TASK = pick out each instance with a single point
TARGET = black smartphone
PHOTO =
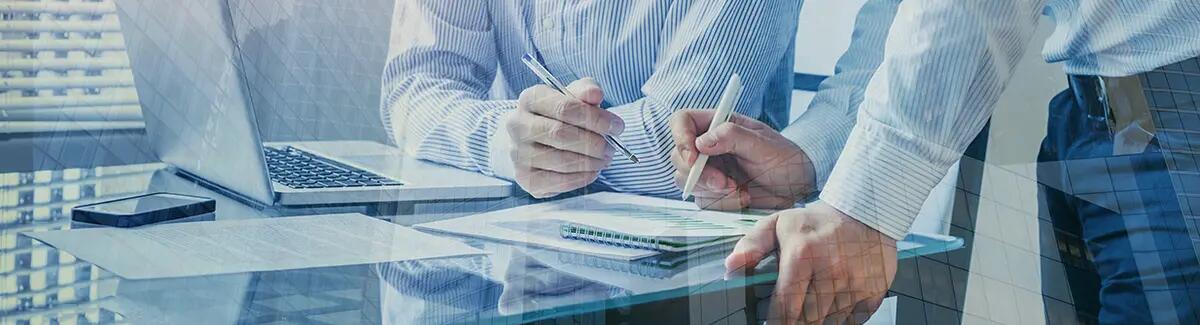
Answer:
(143, 209)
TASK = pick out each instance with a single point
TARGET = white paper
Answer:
(223, 247)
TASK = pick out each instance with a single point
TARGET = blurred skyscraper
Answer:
(63, 68)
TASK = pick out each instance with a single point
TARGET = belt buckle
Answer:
(1127, 113)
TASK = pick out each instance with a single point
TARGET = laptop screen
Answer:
(196, 108)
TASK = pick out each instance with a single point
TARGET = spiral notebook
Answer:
(677, 225)
(660, 229)
(658, 267)
(542, 225)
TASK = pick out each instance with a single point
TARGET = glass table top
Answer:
(511, 284)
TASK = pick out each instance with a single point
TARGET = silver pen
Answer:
(538, 69)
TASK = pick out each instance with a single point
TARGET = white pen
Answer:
(729, 99)
(549, 79)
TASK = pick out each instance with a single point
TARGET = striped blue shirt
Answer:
(454, 72)
(944, 65)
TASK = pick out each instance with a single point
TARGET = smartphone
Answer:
(143, 209)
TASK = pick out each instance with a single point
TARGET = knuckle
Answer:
(678, 115)
(602, 119)
(727, 129)
(734, 128)
(596, 144)
(515, 124)
(563, 110)
(526, 98)
(559, 130)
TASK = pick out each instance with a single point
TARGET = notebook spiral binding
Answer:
(580, 232)
(628, 267)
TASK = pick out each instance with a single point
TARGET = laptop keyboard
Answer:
(299, 169)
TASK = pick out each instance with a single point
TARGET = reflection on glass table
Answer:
(38, 283)
(520, 284)
(517, 284)
(513, 284)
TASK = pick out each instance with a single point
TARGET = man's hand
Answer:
(558, 142)
(832, 268)
(750, 165)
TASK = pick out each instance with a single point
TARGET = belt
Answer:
(1119, 103)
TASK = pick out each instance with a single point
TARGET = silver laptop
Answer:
(191, 79)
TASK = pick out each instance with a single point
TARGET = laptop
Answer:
(191, 78)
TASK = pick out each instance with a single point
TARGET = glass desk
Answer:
(513, 284)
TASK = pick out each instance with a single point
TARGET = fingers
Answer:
(831, 276)
(717, 188)
(587, 90)
(558, 141)
(539, 156)
(526, 127)
(544, 101)
(791, 288)
(686, 125)
(831, 270)
(730, 138)
(683, 161)
(689, 130)
(756, 245)
(734, 200)
(544, 183)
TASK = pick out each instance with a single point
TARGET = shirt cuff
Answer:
(499, 148)
(884, 177)
(821, 134)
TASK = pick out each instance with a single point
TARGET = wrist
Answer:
(499, 147)
(803, 181)
(848, 222)
(808, 172)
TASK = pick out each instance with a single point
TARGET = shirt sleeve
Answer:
(436, 82)
(946, 63)
(711, 40)
(822, 130)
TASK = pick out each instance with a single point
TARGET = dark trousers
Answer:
(1122, 226)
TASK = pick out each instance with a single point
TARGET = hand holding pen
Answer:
(751, 164)
(560, 137)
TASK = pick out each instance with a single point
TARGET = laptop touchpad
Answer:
(386, 165)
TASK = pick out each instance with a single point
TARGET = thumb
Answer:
(587, 90)
(729, 138)
(751, 249)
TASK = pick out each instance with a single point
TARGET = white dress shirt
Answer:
(944, 66)
(651, 58)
